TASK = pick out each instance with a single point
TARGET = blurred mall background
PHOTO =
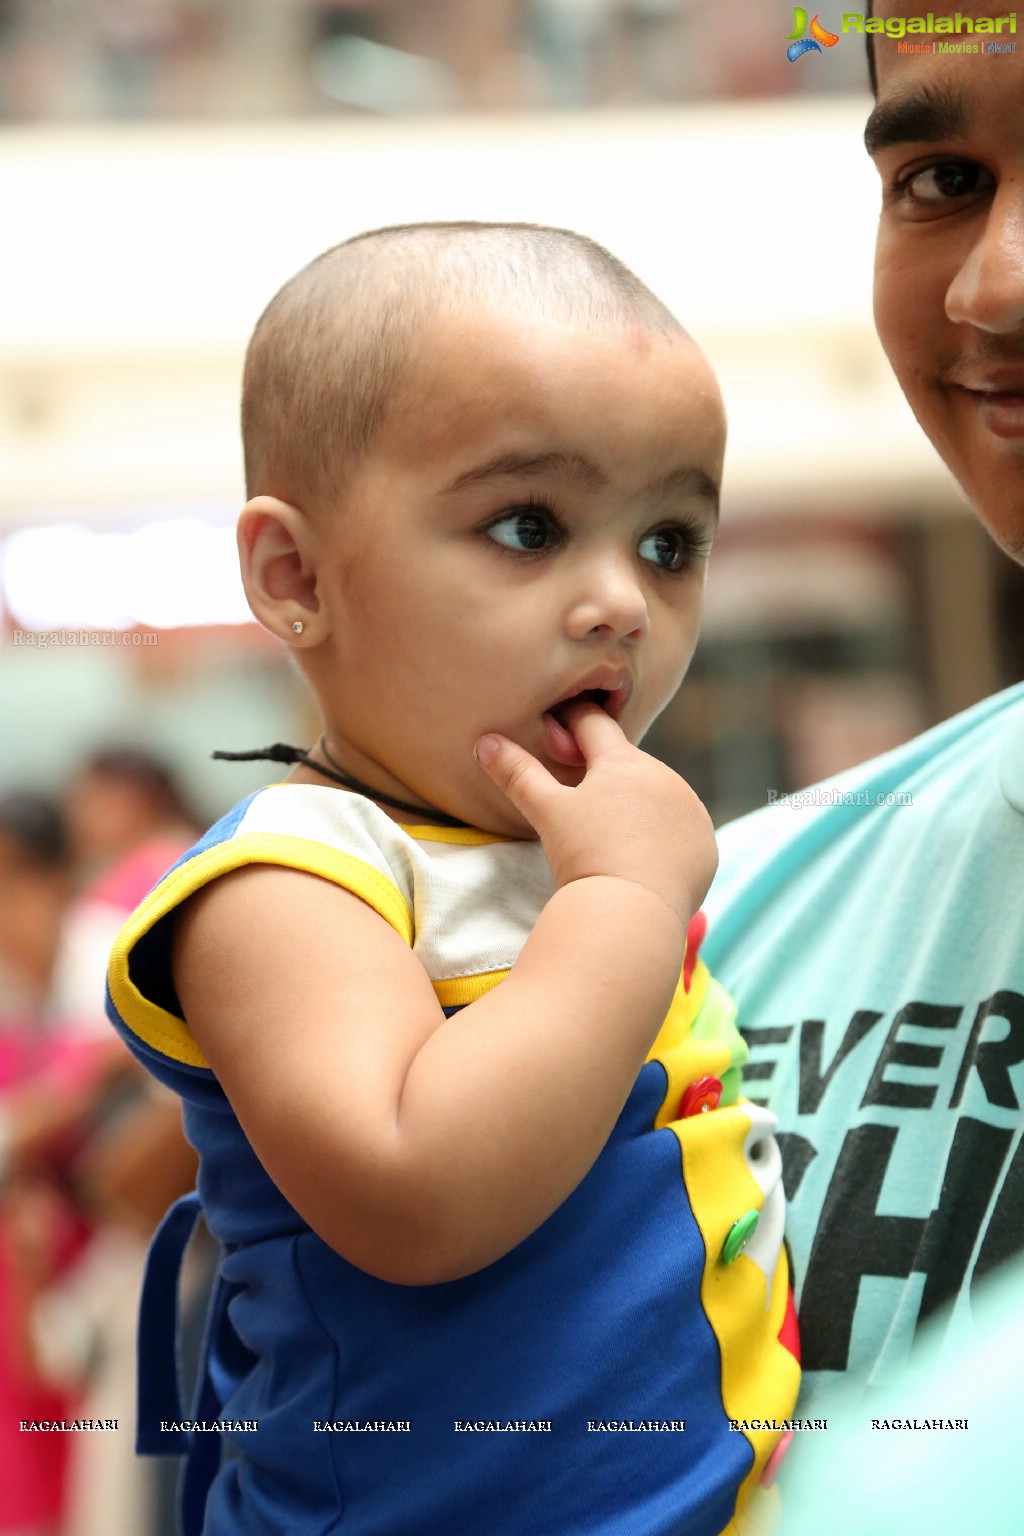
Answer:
(164, 166)
(167, 163)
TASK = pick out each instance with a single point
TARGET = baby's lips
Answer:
(609, 689)
(560, 744)
(577, 712)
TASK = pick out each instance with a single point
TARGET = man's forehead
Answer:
(972, 8)
(926, 97)
(906, 10)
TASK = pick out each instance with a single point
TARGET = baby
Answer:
(467, 1103)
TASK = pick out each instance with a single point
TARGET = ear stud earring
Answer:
(297, 626)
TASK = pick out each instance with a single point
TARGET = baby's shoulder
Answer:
(315, 830)
(229, 899)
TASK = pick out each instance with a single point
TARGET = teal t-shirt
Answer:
(936, 1450)
(872, 933)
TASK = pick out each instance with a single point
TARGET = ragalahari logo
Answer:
(980, 32)
(819, 38)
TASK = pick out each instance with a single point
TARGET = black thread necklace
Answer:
(281, 752)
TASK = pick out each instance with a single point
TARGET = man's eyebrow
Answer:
(933, 114)
(575, 465)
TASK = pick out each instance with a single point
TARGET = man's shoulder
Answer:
(946, 771)
(951, 749)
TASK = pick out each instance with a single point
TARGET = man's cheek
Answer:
(889, 311)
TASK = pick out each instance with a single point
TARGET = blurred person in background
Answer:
(127, 817)
(345, 18)
(35, 883)
(574, 40)
(94, 1151)
(44, 1104)
(125, 808)
(663, 61)
(133, 39)
(872, 929)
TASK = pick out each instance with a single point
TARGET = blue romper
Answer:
(619, 1373)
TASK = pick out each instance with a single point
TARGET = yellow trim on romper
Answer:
(759, 1375)
(458, 990)
(165, 1031)
(469, 836)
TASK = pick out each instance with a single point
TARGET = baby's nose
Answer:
(610, 599)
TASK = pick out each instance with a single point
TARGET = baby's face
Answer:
(533, 522)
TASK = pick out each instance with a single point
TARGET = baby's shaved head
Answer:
(331, 348)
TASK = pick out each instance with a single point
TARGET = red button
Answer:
(704, 1094)
(694, 939)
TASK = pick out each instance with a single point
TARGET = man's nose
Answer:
(988, 289)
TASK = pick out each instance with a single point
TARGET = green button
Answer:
(740, 1234)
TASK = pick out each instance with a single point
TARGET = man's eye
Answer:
(670, 549)
(522, 531)
(948, 180)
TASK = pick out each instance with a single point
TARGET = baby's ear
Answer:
(275, 551)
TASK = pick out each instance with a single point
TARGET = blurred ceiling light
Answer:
(359, 73)
(164, 575)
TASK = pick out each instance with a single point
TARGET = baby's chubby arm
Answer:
(422, 1148)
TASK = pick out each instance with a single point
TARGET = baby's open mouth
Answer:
(560, 743)
(588, 696)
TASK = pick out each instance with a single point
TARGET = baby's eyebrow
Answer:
(934, 113)
(687, 481)
(575, 465)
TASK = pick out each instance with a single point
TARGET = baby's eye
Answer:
(947, 180)
(670, 549)
(523, 531)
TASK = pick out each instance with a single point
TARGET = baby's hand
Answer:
(630, 817)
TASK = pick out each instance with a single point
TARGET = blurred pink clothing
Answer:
(35, 1463)
(93, 921)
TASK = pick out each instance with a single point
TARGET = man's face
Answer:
(947, 136)
(533, 521)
